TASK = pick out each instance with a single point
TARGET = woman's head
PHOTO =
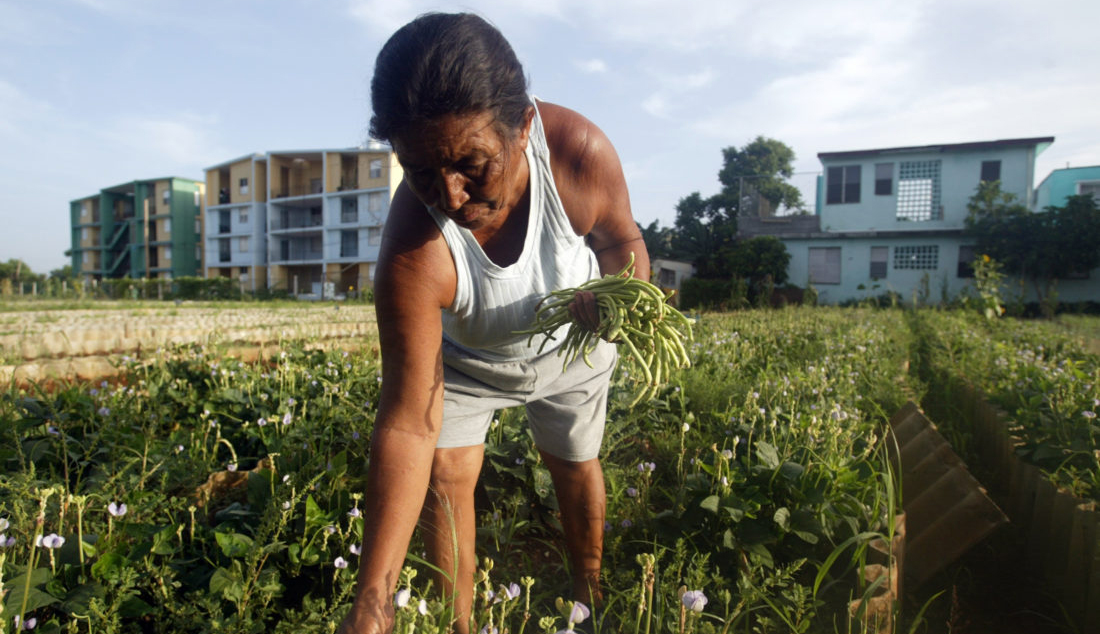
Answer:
(442, 64)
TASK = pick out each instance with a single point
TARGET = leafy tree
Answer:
(658, 240)
(1041, 248)
(762, 167)
(17, 271)
(760, 259)
(63, 273)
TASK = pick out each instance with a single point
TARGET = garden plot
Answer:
(89, 343)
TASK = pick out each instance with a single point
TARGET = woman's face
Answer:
(465, 167)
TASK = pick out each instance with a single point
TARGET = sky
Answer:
(94, 93)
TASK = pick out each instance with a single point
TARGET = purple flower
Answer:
(232, 466)
(290, 401)
(330, 529)
(646, 466)
(117, 510)
(103, 411)
(287, 418)
(340, 562)
(355, 435)
(261, 421)
(626, 523)
(355, 512)
(579, 613)
(51, 541)
(509, 592)
(631, 492)
(53, 431)
(1088, 414)
(6, 542)
(694, 600)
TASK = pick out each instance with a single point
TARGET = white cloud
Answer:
(591, 66)
(656, 105)
(181, 141)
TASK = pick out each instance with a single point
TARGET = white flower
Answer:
(340, 562)
(686, 428)
(422, 608)
(232, 466)
(4, 524)
(117, 510)
(355, 512)
(401, 599)
(286, 505)
(355, 549)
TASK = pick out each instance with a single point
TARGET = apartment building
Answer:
(141, 229)
(308, 222)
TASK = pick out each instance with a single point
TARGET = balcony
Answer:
(284, 219)
(315, 188)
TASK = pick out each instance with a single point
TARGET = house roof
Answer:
(1040, 142)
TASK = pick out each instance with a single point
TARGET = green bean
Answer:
(633, 313)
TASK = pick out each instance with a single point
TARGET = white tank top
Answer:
(491, 301)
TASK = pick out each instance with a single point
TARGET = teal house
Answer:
(1063, 183)
(893, 219)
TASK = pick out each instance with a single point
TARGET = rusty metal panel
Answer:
(947, 511)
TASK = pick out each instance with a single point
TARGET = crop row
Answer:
(196, 493)
(1041, 374)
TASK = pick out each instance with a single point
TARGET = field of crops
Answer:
(56, 339)
(193, 492)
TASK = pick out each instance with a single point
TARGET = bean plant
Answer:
(197, 493)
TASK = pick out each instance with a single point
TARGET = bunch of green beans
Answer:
(634, 314)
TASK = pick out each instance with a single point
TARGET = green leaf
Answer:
(164, 541)
(36, 598)
(315, 517)
(77, 600)
(228, 583)
(736, 514)
(710, 504)
(767, 454)
(792, 471)
(782, 517)
(134, 608)
(107, 567)
(234, 544)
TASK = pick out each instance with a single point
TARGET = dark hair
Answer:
(444, 63)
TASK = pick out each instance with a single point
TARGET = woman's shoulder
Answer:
(575, 142)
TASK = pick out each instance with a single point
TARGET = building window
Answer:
(225, 252)
(198, 253)
(843, 185)
(667, 278)
(879, 257)
(167, 254)
(922, 258)
(243, 272)
(84, 211)
(966, 261)
(991, 171)
(374, 236)
(1089, 188)
(167, 227)
(242, 244)
(167, 196)
(224, 221)
(198, 226)
(376, 168)
(243, 184)
(84, 234)
(884, 179)
(825, 265)
(349, 210)
(919, 191)
(197, 200)
(349, 244)
(243, 216)
(375, 202)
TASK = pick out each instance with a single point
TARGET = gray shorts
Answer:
(565, 410)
